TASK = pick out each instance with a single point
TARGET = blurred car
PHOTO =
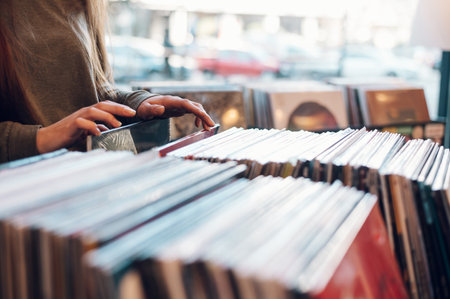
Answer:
(134, 58)
(309, 62)
(237, 62)
(369, 61)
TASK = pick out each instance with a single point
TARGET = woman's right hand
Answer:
(77, 125)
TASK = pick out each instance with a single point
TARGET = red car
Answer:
(236, 62)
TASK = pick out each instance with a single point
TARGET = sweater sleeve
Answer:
(132, 99)
(17, 141)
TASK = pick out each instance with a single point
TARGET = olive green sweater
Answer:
(58, 78)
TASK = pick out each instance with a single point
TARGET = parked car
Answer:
(134, 58)
(309, 62)
(237, 62)
(370, 61)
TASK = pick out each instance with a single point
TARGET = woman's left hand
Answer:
(169, 106)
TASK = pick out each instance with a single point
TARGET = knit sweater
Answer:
(57, 78)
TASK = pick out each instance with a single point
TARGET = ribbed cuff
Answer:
(22, 141)
(136, 98)
(133, 100)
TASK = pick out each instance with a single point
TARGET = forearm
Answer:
(17, 141)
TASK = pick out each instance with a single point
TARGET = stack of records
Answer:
(266, 238)
(410, 179)
(33, 159)
(53, 211)
(418, 178)
(115, 225)
(223, 102)
(302, 105)
(321, 156)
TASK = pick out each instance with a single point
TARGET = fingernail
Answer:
(160, 108)
(118, 123)
(130, 110)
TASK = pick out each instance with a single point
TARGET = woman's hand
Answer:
(168, 106)
(72, 128)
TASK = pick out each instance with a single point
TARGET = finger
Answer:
(197, 121)
(89, 126)
(206, 127)
(116, 108)
(149, 111)
(200, 112)
(197, 118)
(95, 114)
(179, 106)
(102, 127)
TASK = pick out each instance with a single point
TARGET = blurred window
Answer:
(178, 40)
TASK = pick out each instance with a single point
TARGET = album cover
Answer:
(381, 107)
(350, 88)
(364, 256)
(256, 95)
(310, 111)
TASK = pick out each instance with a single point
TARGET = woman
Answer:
(55, 79)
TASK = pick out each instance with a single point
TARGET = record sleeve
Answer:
(350, 87)
(310, 111)
(382, 107)
(137, 137)
(31, 160)
(191, 138)
(380, 280)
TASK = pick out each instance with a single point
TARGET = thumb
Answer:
(149, 111)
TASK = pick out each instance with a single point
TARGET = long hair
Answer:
(12, 93)
(96, 17)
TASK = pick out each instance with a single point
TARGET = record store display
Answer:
(224, 103)
(117, 225)
(410, 179)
